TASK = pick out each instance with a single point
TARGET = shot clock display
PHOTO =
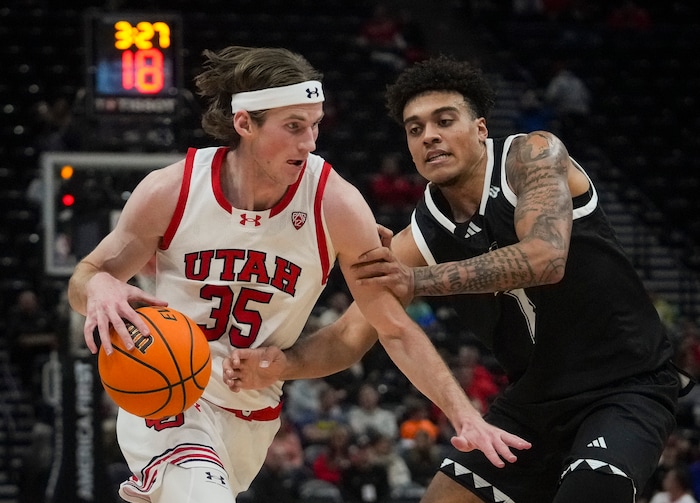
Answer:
(134, 62)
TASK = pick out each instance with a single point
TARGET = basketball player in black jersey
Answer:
(512, 231)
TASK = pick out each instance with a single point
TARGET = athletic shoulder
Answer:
(153, 201)
(351, 223)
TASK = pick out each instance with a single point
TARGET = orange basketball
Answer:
(165, 373)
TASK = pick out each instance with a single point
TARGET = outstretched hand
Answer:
(253, 368)
(496, 444)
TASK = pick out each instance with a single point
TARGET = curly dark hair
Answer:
(440, 73)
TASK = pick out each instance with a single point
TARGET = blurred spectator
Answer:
(381, 35)
(414, 37)
(688, 359)
(365, 480)
(36, 464)
(284, 470)
(35, 191)
(629, 16)
(417, 419)
(677, 452)
(350, 379)
(287, 448)
(302, 399)
(423, 313)
(676, 487)
(32, 337)
(28, 315)
(478, 382)
(668, 312)
(328, 464)
(689, 351)
(393, 193)
(378, 367)
(367, 417)
(570, 100)
(335, 306)
(317, 429)
(386, 453)
(423, 458)
(694, 467)
(533, 114)
(57, 127)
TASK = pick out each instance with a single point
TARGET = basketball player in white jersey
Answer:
(245, 236)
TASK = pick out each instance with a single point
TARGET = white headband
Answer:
(275, 97)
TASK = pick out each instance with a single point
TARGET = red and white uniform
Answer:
(249, 279)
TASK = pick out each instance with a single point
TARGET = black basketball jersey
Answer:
(596, 326)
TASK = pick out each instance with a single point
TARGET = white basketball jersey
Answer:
(248, 278)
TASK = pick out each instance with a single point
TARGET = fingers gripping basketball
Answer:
(167, 370)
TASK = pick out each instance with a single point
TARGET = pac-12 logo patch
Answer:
(298, 219)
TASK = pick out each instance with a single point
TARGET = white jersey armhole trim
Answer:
(591, 205)
(510, 196)
(435, 212)
(419, 239)
(507, 193)
(487, 177)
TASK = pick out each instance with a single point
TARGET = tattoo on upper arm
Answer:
(536, 171)
(538, 175)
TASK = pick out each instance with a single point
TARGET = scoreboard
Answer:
(134, 62)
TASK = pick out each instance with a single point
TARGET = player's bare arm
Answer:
(98, 288)
(411, 350)
(330, 349)
(394, 263)
(353, 230)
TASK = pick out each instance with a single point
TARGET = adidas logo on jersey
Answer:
(471, 230)
(598, 442)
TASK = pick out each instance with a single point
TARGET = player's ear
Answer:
(483, 130)
(242, 122)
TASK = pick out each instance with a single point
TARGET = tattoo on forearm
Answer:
(494, 271)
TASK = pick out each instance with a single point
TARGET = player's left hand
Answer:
(253, 368)
(380, 267)
(496, 444)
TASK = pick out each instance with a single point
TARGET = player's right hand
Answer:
(109, 304)
(385, 235)
(257, 368)
(380, 267)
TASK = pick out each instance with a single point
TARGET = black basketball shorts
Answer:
(619, 430)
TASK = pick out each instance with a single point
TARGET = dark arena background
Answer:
(95, 94)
